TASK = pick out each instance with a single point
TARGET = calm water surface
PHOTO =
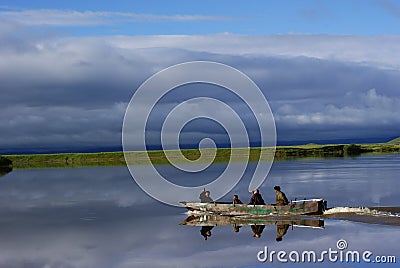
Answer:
(99, 217)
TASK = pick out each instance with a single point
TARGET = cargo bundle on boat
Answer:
(299, 207)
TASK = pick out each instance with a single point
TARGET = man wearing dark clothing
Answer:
(256, 198)
(236, 200)
(281, 199)
(205, 197)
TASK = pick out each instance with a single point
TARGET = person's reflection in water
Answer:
(236, 228)
(206, 231)
(281, 230)
(257, 230)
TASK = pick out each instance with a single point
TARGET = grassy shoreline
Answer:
(222, 155)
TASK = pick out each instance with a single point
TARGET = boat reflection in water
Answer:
(257, 224)
(5, 170)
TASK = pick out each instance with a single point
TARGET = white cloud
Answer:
(53, 17)
(369, 108)
(377, 51)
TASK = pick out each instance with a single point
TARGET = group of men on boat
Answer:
(256, 198)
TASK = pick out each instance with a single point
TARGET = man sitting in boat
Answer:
(281, 199)
(236, 200)
(256, 198)
(205, 197)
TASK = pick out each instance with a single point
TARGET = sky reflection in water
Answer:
(98, 217)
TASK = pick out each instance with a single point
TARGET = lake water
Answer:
(99, 217)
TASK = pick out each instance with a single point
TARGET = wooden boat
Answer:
(218, 220)
(299, 207)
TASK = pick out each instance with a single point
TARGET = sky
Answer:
(68, 69)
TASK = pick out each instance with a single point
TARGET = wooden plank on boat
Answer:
(313, 206)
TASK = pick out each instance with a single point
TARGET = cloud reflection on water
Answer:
(98, 217)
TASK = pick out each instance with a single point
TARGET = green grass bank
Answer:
(221, 155)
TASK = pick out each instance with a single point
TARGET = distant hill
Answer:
(152, 147)
(394, 141)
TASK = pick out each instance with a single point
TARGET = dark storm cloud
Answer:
(60, 127)
(69, 74)
(71, 93)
